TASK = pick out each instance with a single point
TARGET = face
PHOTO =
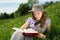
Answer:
(37, 14)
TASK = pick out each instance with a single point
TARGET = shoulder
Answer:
(29, 19)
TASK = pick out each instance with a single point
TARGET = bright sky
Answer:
(10, 6)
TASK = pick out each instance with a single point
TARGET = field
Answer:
(53, 12)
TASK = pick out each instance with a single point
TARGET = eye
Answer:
(34, 14)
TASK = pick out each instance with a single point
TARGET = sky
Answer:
(10, 6)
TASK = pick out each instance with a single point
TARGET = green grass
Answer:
(6, 26)
(53, 12)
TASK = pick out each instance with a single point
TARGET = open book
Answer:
(27, 32)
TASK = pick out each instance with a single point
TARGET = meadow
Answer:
(53, 12)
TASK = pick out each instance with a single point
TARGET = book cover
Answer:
(27, 32)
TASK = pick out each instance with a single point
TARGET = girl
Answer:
(38, 22)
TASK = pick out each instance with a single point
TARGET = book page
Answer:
(29, 30)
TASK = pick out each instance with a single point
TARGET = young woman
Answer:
(38, 22)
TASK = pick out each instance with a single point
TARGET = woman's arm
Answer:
(24, 26)
(40, 35)
(48, 30)
(49, 27)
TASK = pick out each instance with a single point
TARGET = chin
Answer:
(37, 19)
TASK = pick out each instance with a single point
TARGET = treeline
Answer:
(23, 9)
(6, 16)
(48, 3)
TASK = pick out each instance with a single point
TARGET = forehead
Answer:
(37, 12)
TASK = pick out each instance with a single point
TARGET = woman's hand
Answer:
(40, 35)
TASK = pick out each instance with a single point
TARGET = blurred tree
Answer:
(23, 9)
(32, 2)
(1, 16)
(6, 16)
(47, 4)
(12, 15)
(17, 13)
(51, 2)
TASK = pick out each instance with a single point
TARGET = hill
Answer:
(53, 12)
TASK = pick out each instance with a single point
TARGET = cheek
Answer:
(40, 15)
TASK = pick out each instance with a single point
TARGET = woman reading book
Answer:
(38, 22)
